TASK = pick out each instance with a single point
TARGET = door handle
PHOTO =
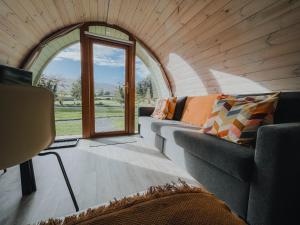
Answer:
(126, 88)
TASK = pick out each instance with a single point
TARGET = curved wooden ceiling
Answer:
(206, 46)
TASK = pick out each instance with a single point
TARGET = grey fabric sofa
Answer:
(260, 184)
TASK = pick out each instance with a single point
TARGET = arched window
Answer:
(56, 65)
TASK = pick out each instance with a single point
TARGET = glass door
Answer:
(109, 89)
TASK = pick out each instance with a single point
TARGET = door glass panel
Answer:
(109, 88)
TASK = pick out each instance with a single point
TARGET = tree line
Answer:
(144, 89)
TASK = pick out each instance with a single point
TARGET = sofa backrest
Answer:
(198, 108)
(288, 108)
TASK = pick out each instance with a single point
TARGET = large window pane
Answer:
(62, 76)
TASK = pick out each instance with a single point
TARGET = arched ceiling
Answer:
(205, 46)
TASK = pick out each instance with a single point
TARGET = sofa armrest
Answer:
(274, 190)
(145, 111)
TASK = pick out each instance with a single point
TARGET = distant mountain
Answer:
(105, 87)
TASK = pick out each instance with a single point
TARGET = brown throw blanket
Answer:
(160, 205)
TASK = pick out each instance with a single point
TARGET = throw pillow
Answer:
(237, 119)
(161, 109)
(165, 108)
(171, 107)
(197, 109)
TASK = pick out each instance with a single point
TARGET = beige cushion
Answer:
(26, 123)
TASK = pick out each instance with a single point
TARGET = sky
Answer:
(108, 65)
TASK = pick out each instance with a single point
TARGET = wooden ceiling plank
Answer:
(36, 18)
(103, 10)
(113, 13)
(15, 18)
(128, 9)
(250, 22)
(262, 75)
(86, 9)
(247, 47)
(271, 63)
(268, 13)
(215, 12)
(79, 12)
(53, 13)
(278, 73)
(11, 42)
(143, 14)
(69, 6)
(8, 36)
(135, 17)
(212, 34)
(282, 21)
(173, 23)
(245, 38)
(42, 10)
(9, 57)
(155, 14)
(167, 12)
(192, 14)
(283, 84)
(63, 11)
(93, 10)
(14, 23)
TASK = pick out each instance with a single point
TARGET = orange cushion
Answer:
(198, 108)
(171, 107)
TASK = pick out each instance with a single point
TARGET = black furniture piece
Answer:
(27, 178)
(261, 183)
(45, 153)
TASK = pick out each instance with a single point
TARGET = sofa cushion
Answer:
(197, 109)
(161, 109)
(233, 159)
(179, 107)
(161, 127)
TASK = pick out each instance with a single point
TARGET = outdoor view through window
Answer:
(62, 76)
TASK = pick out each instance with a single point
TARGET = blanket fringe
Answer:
(153, 192)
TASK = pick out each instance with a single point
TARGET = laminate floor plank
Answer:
(97, 175)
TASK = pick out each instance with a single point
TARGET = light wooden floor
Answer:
(97, 175)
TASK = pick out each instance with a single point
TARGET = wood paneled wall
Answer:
(206, 46)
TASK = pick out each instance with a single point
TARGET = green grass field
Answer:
(65, 113)
(68, 117)
(64, 128)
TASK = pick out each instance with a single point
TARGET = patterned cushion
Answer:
(165, 108)
(161, 109)
(237, 119)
